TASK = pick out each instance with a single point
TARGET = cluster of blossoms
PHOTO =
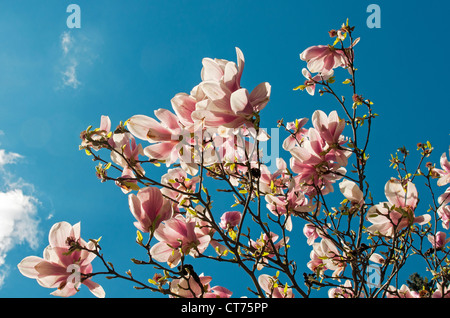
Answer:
(214, 131)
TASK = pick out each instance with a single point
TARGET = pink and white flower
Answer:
(150, 208)
(444, 173)
(178, 236)
(62, 266)
(444, 208)
(198, 288)
(325, 256)
(230, 219)
(439, 240)
(323, 58)
(390, 217)
(269, 285)
(352, 192)
(403, 292)
(226, 103)
(166, 136)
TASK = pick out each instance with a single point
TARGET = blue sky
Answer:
(129, 59)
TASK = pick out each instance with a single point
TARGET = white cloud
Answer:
(69, 61)
(18, 213)
(66, 42)
(70, 75)
(78, 53)
(7, 158)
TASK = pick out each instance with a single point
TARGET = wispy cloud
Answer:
(77, 52)
(18, 213)
(66, 42)
(69, 61)
(70, 75)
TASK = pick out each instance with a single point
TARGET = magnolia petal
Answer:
(239, 101)
(27, 266)
(95, 288)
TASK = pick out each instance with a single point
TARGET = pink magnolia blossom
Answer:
(315, 164)
(344, 291)
(323, 58)
(293, 202)
(312, 232)
(97, 135)
(269, 285)
(178, 236)
(403, 292)
(352, 192)
(377, 258)
(441, 291)
(230, 219)
(190, 288)
(150, 208)
(227, 103)
(183, 106)
(231, 108)
(439, 240)
(310, 83)
(166, 136)
(329, 127)
(177, 180)
(398, 213)
(444, 208)
(444, 173)
(274, 182)
(220, 70)
(126, 152)
(127, 181)
(325, 256)
(298, 133)
(62, 267)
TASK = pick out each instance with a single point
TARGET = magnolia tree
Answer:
(212, 145)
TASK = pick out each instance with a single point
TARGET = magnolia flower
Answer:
(196, 287)
(294, 201)
(298, 133)
(178, 236)
(324, 256)
(224, 71)
(126, 151)
(441, 291)
(398, 213)
(230, 219)
(310, 83)
(167, 135)
(377, 258)
(150, 208)
(444, 173)
(439, 240)
(93, 138)
(444, 208)
(63, 267)
(178, 180)
(274, 182)
(226, 103)
(329, 127)
(312, 232)
(323, 58)
(352, 192)
(231, 108)
(344, 291)
(271, 288)
(184, 105)
(315, 164)
(403, 292)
